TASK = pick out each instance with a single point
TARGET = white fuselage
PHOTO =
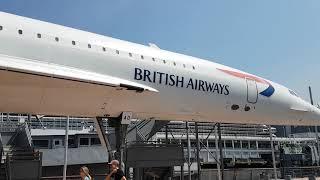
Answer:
(185, 88)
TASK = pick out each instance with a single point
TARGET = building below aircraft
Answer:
(244, 146)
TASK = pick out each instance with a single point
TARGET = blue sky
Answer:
(278, 40)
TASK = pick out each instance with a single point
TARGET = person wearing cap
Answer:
(116, 172)
(84, 173)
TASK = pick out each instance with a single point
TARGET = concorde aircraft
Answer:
(55, 70)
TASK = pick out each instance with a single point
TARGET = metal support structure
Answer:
(120, 125)
(181, 173)
(217, 151)
(188, 151)
(221, 152)
(167, 142)
(65, 166)
(198, 150)
(29, 119)
(273, 154)
(103, 139)
(315, 128)
(124, 131)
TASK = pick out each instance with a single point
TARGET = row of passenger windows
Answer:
(103, 49)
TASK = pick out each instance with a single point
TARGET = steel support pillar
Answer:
(65, 166)
(188, 151)
(198, 151)
(167, 141)
(98, 121)
(221, 152)
(120, 137)
(273, 155)
(217, 151)
(181, 173)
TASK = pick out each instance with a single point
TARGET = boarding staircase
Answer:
(18, 158)
(144, 130)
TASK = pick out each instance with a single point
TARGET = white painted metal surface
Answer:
(72, 72)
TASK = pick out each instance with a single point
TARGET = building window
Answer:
(264, 145)
(103, 49)
(130, 54)
(142, 57)
(57, 39)
(117, 51)
(41, 143)
(95, 141)
(20, 31)
(253, 145)
(228, 144)
(212, 144)
(73, 43)
(193, 144)
(57, 143)
(71, 143)
(1, 28)
(245, 144)
(237, 144)
(84, 141)
(89, 45)
(39, 35)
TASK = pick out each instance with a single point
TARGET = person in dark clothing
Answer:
(116, 173)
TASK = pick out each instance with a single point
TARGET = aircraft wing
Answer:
(62, 72)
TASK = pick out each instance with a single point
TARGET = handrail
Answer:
(70, 177)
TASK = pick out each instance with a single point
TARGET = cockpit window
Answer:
(293, 93)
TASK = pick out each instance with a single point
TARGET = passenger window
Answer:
(164, 61)
(1, 28)
(184, 65)
(142, 57)
(39, 35)
(130, 54)
(73, 43)
(117, 51)
(103, 49)
(153, 59)
(56, 38)
(174, 63)
(193, 68)
(89, 45)
(84, 141)
(20, 31)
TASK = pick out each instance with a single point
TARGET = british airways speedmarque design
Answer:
(267, 92)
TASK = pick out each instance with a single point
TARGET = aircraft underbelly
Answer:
(36, 94)
(24, 93)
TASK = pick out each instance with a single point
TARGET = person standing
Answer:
(116, 173)
(84, 173)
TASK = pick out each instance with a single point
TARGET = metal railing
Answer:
(261, 173)
(95, 176)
